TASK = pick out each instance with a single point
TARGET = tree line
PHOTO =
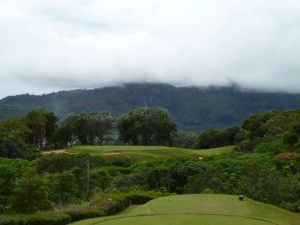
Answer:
(276, 131)
(42, 130)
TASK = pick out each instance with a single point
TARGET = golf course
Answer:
(143, 152)
(204, 209)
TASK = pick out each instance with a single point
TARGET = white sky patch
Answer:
(49, 45)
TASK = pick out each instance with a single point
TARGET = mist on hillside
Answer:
(49, 46)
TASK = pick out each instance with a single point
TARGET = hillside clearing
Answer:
(142, 152)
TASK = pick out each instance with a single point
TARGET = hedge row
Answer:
(45, 218)
(102, 205)
(106, 205)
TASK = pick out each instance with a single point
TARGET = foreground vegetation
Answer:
(99, 205)
(206, 209)
(89, 181)
(63, 179)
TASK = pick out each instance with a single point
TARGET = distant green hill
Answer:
(204, 209)
(192, 108)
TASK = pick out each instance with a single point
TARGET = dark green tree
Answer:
(147, 126)
(101, 125)
(50, 127)
(36, 121)
(63, 187)
(254, 126)
(30, 193)
(217, 138)
(10, 170)
(62, 137)
(13, 134)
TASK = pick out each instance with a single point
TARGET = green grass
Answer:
(146, 152)
(204, 209)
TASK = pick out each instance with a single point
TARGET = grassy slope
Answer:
(146, 151)
(204, 209)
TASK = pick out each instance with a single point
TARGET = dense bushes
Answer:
(292, 137)
(30, 193)
(10, 170)
(271, 132)
(48, 219)
(275, 132)
(84, 186)
(270, 144)
(100, 205)
(45, 218)
(13, 139)
(261, 176)
(109, 204)
(77, 212)
(259, 182)
(217, 138)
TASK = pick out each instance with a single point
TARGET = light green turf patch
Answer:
(184, 220)
(146, 152)
(204, 209)
(214, 151)
(128, 210)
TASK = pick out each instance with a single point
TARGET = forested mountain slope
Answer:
(192, 108)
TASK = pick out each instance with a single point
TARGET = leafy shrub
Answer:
(273, 145)
(122, 161)
(84, 212)
(10, 170)
(290, 139)
(11, 220)
(110, 204)
(30, 193)
(217, 138)
(244, 146)
(46, 218)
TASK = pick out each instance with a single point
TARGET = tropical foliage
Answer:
(265, 165)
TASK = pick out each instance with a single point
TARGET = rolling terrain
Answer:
(204, 209)
(143, 152)
(193, 109)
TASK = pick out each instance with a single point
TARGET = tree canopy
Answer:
(147, 126)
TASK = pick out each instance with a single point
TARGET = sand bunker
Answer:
(200, 157)
(59, 151)
(112, 153)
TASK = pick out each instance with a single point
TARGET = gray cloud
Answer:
(49, 45)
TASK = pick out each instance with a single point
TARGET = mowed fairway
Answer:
(144, 152)
(203, 209)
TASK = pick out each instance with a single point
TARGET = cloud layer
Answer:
(49, 45)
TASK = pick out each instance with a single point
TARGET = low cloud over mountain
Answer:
(48, 45)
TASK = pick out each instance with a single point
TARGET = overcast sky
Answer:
(50, 45)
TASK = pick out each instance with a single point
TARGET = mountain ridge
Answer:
(193, 108)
